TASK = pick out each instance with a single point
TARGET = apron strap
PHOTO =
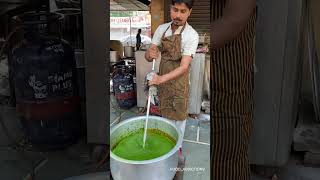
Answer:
(183, 28)
(166, 30)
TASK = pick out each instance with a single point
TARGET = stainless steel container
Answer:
(161, 168)
(128, 51)
(114, 57)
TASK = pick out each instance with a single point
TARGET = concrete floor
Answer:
(57, 165)
(197, 155)
(17, 164)
(295, 170)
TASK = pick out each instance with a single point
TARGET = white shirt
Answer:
(189, 42)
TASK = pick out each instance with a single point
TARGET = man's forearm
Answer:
(179, 71)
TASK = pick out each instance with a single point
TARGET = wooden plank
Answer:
(157, 14)
(96, 37)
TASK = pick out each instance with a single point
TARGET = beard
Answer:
(177, 22)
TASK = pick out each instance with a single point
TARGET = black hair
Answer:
(188, 3)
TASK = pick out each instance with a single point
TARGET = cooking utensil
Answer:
(161, 168)
(148, 111)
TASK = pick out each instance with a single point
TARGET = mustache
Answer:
(177, 19)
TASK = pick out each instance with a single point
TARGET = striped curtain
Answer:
(232, 102)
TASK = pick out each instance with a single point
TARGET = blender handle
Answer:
(153, 64)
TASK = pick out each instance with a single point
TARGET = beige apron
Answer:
(173, 94)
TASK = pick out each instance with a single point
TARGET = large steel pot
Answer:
(155, 169)
(128, 51)
(114, 56)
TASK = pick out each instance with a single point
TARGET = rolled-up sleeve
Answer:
(156, 39)
(190, 47)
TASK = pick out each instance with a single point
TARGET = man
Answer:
(177, 42)
(233, 41)
(138, 40)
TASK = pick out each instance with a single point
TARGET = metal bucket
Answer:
(161, 168)
(114, 56)
(128, 51)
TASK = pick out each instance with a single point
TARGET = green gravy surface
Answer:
(157, 144)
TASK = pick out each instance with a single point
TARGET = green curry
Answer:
(157, 144)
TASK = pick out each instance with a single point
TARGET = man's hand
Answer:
(156, 80)
(152, 52)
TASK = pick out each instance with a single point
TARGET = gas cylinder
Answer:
(43, 68)
(123, 88)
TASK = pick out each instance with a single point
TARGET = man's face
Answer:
(179, 13)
